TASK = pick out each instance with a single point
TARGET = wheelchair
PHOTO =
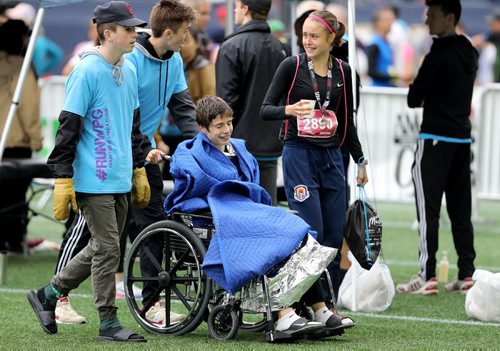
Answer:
(174, 276)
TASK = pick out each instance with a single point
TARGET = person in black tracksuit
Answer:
(245, 65)
(313, 166)
(444, 86)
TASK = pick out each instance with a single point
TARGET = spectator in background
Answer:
(443, 87)
(404, 53)
(199, 72)
(308, 5)
(4, 6)
(80, 47)
(25, 135)
(202, 10)
(340, 11)
(381, 67)
(47, 55)
(278, 29)
(489, 60)
(246, 63)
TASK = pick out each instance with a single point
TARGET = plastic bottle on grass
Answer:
(443, 268)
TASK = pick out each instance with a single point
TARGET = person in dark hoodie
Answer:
(97, 161)
(443, 87)
(162, 86)
(245, 65)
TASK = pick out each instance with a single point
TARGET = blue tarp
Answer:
(250, 235)
(197, 166)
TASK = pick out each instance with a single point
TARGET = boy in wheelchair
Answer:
(212, 164)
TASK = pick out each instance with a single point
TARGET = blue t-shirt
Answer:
(384, 61)
(103, 162)
(159, 80)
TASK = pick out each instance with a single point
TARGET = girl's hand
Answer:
(362, 177)
(300, 109)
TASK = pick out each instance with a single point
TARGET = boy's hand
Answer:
(64, 194)
(141, 193)
(155, 156)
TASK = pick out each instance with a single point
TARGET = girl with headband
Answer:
(313, 170)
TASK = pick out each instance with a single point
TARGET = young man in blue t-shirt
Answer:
(161, 87)
(97, 161)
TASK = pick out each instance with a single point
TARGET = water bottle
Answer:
(443, 268)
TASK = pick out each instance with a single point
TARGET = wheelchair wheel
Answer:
(165, 262)
(248, 321)
(253, 322)
(223, 323)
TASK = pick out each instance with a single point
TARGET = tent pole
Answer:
(22, 77)
(293, 36)
(353, 58)
(229, 17)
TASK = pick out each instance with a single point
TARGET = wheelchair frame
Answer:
(180, 282)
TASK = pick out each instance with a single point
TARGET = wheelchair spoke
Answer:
(182, 298)
(152, 258)
(180, 260)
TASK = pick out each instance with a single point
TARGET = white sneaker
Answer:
(65, 314)
(156, 315)
(460, 285)
(418, 286)
(120, 290)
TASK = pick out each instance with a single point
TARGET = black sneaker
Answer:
(302, 326)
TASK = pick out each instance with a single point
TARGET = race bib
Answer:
(320, 126)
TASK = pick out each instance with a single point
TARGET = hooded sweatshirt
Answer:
(104, 96)
(162, 86)
(444, 86)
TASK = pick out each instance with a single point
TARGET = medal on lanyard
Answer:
(323, 107)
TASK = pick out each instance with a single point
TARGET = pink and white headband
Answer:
(324, 23)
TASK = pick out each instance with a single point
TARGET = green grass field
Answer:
(411, 323)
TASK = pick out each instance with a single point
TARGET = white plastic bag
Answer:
(483, 299)
(373, 289)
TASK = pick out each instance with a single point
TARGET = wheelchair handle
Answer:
(166, 157)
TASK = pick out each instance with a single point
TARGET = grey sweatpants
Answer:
(105, 216)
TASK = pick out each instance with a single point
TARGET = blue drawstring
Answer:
(363, 198)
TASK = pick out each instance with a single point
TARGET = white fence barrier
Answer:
(488, 144)
(51, 103)
(387, 129)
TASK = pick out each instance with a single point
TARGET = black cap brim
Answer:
(132, 22)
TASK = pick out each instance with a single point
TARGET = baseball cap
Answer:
(118, 12)
(261, 7)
